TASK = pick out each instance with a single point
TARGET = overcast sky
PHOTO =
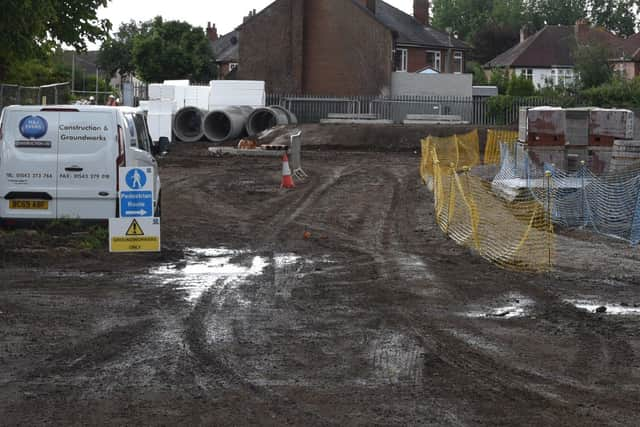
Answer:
(226, 14)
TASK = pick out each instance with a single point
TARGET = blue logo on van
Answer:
(33, 127)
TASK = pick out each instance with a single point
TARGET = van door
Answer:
(28, 163)
(87, 155)
(139, 149)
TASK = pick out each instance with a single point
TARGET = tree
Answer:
(116, 53)
(592, 66)
(463, 17)
(32, 28)
(615, 15)
(173, 50)
(554, 12)
(492, 40)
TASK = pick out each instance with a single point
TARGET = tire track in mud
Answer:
(377, 234)
(396, 358)
(389, 258)
(227, 371)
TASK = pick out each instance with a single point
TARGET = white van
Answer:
(63, 161)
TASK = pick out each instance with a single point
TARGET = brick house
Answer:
(225, 50)
(342, 47)
(546, 57)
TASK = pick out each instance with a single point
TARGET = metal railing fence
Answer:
(58, 93)
(475, 110)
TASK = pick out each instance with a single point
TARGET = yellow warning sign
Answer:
(135, 244)
(134, 234)
(134, 229)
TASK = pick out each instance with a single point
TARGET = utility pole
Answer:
(97, 85)
(73, 72)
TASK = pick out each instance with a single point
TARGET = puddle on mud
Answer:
(203, 269)
(511, 306)
(285, 260)
(611, 309)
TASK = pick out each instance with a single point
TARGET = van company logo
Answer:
(33, 127)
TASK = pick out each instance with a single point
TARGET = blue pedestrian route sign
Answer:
(136, 204)
(136, 192)
(136, 179)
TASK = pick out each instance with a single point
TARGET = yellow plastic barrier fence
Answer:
(457, 149)
(516, 234)
(494, 138)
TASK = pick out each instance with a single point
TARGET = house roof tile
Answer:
(226, 48)
(553, 46)
(411, 32)
(548, 47)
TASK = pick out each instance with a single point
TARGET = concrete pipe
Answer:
(293, 120)
(188, 124)
(265, 118)
(227, 123)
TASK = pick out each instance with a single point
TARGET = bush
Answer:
(592, 65)
(500, 78)
(479, 76)
(520, 86)
(619, 93)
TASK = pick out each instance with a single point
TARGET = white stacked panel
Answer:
(192, 96)
(202, 94)
(156, 106)
(161, 91)
(228, 93)
(177, 82)
(159, 117)
(144, 105)
(159, 125)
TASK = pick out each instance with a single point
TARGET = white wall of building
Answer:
(431, 84)
(543, 77)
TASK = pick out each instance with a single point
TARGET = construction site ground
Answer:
(339, 302)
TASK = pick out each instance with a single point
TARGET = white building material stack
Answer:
(160, 109)
(176, 82)
(159, 117)
(161, 91)
(229, 93)
(192, 96)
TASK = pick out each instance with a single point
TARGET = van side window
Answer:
(141, 130)
(132, 129)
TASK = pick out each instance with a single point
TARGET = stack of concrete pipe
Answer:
(191, 124)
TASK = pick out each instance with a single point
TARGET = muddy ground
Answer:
(374, 319)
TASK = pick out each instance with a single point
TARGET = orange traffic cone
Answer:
(287, 180)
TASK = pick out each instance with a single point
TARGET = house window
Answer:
(232, 66)
(433, 59)
(527, 73)
(401, 60)
(561, 76)
(458, 63)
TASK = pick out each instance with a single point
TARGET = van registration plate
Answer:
(29, 204)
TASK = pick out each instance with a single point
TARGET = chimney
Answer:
(212, 32)
(421, 11)
(581, 30)
(523, 34)
(251, 14)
